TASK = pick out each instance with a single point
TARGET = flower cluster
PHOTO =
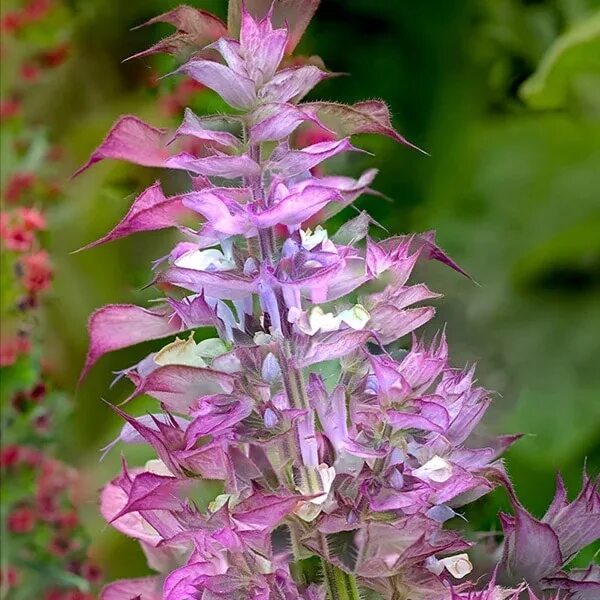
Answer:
(45, 548)
(31, 12)
(40, 517)
(31, 161)
(27, 272)
(329, 441)
(30, 62)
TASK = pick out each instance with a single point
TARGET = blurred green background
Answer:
(504, 95)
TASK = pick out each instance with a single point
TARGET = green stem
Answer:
(340, 585)
(296, 566)
(379, 463)
(292, 379)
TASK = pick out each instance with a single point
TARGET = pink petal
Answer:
(112, 500)
(348, 187)
(331, 409)
(276, 121)
(231, 51)
(179, 386)
(129, 435)
(294, 162)
(161, 439)
(221, 207)
(430, 416)
(577, 524)
(238, 91)
(331, 346)
(193, 311)
(434, 252)
(217, 421)
(263, 512)
(117, 326)
(150, 491)
(467, 419)
(150, 211)
(269, 52)
(391, 323)
(183, 583)
(531, 548)
(196, 127)
(291, 85)
(225, 285)
(261, 46)
(195, 29)
(218, 165)
(296, 208)
(209, 460)
(132, 140)
(144, 588)
(372, 116)
(294, 14)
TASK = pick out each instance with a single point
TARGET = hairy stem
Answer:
(379, 463)
(292, 378)
(340, 585)
(296, 566)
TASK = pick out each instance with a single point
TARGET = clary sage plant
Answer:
(340, 456)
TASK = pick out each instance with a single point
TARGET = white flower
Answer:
(205, 260)
(315, 480)
(436, 469)
(187, 352)
(220, 501)
(458, 565)
(180, 352)
(262, 339)
(356, 317)
(317, 319)
(311, 239)
(157, 467)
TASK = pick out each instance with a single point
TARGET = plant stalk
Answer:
(340, 585)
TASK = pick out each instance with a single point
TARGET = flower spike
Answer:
(329, 439)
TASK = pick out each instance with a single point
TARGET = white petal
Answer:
(436, 469)
(157, 467)
(322, 321)
(356, 317)
(205, 260)
(180, 352)
(458, 566)
(312, 239)
(325, 475)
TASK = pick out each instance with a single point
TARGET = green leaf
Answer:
(21, 376)
(570, 68)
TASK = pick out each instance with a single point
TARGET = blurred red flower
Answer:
(21, 520)
(37, 271)
(18, 185)
(10, 456)
(32, 218)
